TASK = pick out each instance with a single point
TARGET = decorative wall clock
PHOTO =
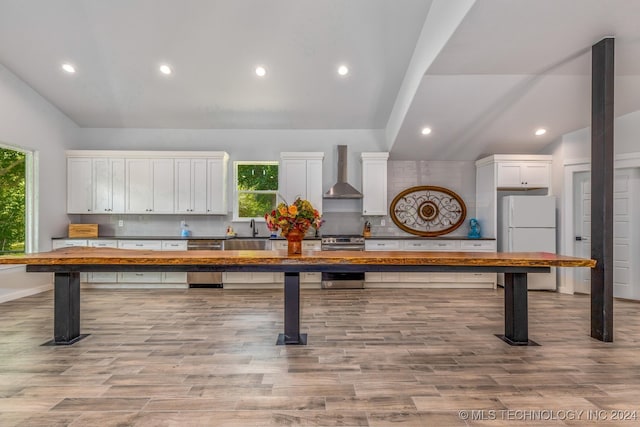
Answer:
(428, 211)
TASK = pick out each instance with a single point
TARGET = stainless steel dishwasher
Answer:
(204, 279)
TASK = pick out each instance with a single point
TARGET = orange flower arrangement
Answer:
(298, 216)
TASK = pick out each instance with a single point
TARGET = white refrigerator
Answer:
(528, 224)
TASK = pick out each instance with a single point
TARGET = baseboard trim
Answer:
(21, 293)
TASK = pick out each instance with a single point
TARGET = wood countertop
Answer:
(107, 256)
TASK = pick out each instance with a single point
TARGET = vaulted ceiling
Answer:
(483, 75)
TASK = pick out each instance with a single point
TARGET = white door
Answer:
(582, 228)
(622, 235)
(623, 286)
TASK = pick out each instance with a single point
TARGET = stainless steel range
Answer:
(342, 280)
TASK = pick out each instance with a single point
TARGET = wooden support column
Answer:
(602, 173)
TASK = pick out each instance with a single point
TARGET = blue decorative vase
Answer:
(474, 229)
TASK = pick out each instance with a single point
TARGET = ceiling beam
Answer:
(443, 19)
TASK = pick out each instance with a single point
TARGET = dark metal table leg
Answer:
(292, 335)
(66, 320)
(516, 317)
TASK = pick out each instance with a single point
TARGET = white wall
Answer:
(576, 147)
(30, 122)
(626, 134)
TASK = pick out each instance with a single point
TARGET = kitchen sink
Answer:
(246, 244)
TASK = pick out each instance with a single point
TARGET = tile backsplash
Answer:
(459, 177)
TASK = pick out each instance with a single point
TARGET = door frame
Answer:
(568, 275)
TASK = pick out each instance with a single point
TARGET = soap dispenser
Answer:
(184, 227)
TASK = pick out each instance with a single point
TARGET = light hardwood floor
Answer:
(374, 358)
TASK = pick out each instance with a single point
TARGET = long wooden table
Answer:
(67, 263)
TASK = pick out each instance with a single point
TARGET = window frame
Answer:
(236, 192)
(31, 198)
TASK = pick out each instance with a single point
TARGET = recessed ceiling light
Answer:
(426, 131)
(68, 68)
(540, 132)
(165, 69)
(261, 71)
(343, 70)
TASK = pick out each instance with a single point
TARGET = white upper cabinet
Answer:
(201, 185)
(162, 179)
(523, 174)
(191, 186)
(108, 185)
(149, 186)
(147, 182)
(217, 184)
(79, 188)
(138, 177)
(374, 183)
(301, 176)
(507, 172)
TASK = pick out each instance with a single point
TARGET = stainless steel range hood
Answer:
(342, 189)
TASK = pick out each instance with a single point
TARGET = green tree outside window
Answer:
(12, 201)
(257, 188)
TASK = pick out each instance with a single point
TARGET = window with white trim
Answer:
(256, 189)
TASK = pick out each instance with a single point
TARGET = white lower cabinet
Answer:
(427, 279)
(246, 280)
(68, 243)
(307, 279)
(382, 245)
(478, 246)
(130, 279)
(140, 277)
(148, 245)
(240, 280)
(279, 245)
(103, 276)
(174, 276)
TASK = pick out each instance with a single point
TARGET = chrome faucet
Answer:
(252, 224)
